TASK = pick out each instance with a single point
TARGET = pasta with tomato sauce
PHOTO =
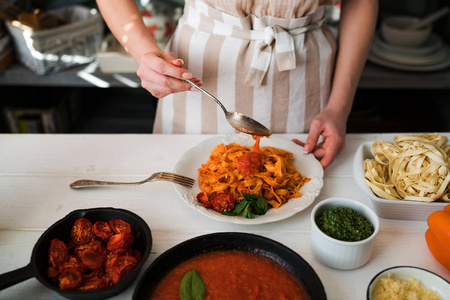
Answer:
(267, 172)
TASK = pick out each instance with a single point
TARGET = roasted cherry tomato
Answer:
(73, 262)
(137, 254)
(57, 253)
(119, 266)
(96, 246)
(119, 226)
(223, 202)
(82, 232)
(70, 279)
(92, 284)
(120, 240)
(96, 256)
(203, 200)
(102, 230)
(53, 272)
(92, 254)
(92, 259)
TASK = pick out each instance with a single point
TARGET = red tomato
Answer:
(119, 226)
(70, 279)
(92, 284)
(82, 232)
(250, 163)
(102, 230)
(203, 200)
(223, 202)
(120, 240)
(118, 266)
(57, 253)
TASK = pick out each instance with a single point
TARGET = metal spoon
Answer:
(237, 120)
(430, 19)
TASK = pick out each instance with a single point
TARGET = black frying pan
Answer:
(280, 254)
(61, 229)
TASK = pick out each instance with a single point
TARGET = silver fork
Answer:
(160, 176)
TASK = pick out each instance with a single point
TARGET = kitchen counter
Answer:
(36, 170)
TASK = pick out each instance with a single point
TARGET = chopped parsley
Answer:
(344, 224)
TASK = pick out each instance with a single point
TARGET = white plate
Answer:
(433, 44)
(445, 63)
(427, 60)
(306, 164)
(390, 209)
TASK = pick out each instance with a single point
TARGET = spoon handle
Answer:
(206, 92)
(430, 19)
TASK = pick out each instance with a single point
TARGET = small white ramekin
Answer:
(341, 254)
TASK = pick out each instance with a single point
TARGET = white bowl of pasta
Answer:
(306, 164)
(416, 209)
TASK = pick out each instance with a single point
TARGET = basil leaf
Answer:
(248, 212)
(250, 197)
(261, 206)
(240, 207)
(192, 286)
(237, 209)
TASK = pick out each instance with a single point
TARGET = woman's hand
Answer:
(159, 73)
(331, 127)
(158, 69)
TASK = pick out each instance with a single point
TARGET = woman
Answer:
(275, 61)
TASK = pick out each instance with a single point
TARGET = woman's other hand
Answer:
(332, 129)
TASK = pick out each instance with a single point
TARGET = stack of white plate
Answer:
(431, 56)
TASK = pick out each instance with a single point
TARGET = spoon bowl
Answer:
(246, 124)
(237, 120)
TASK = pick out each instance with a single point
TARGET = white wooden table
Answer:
(36, 170)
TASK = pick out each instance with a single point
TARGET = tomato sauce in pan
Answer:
(234, 275)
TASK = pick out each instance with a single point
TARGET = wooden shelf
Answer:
(373, 77)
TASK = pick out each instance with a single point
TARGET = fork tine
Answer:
(184, 183)
(174, 174)
(176, 178)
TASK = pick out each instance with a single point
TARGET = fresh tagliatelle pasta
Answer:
(415, 167)
(267, 172)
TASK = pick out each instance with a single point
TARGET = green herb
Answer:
(250, 206)
(192, 286)
(344, 224)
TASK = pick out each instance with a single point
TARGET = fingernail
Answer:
(186, 75)
(306, 149)
(182, 61)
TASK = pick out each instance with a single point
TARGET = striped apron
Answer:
(275, 70)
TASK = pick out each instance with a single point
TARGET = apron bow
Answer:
(284, 50)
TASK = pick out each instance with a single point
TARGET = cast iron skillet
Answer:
(280, 254)
(61, 229)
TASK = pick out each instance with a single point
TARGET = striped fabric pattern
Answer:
(276, 70)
